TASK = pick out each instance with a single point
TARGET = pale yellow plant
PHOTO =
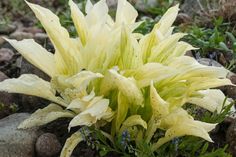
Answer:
(109, 73)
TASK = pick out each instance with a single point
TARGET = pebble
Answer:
(48, 145)
(21, 35)
(6, 54)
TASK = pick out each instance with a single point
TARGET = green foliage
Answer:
(218, 118)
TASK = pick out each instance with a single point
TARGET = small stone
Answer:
(182, 18)
(232, 78)
(222, 59)
(6, 54)
(17, 142)
(48, 145)
(230, 91)
(33, 30)
(7, 28)
(189, 53)
(2, 41)
(231, 138)
(5, 98)
(112, 4)
(41, 37)
(21, 35)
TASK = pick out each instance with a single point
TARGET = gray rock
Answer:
(6, 54)
(48, 145)
(112, 4)
(5, 98)
(40, 37)
(2, 41)
(18, 35)
(191, 7)
(144, 5)
(15, 142)
(209, 62)
(231, 138)
(7, 28)
(3, 76)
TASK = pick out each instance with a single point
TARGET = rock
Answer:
(15, 142)
(182, 18)
(231, 138)
(5, 98)
(7, 28)
(209, 62)
(230, 91)
(6, 54)
(189, 53)
(30, 103)
(48, 145)
(32, 30)
(40, 37)
(2, 41)
(190, 7)
(18, 35)
(27, 68)
(3, 76)
(112, 4)
(143, 6)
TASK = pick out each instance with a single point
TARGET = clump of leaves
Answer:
(128, 85)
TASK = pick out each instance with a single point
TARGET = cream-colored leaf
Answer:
(211, 99)
(127, 87)
(82, 79)
(44, 116)
(79, 22)
(133, 121)
(122, 110)
(125, 13)
(88, 6)
(165, 48)
(189, 67)
(185, 128)
(71, 143)
(67, 56)
(91, 114)
(131, 57)
(30, 85)
(97, 14)
(151, 72)
(164, 25)
(160, 107)
(36, 55)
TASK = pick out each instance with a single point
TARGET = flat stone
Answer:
(18, 35)
(15, 142)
